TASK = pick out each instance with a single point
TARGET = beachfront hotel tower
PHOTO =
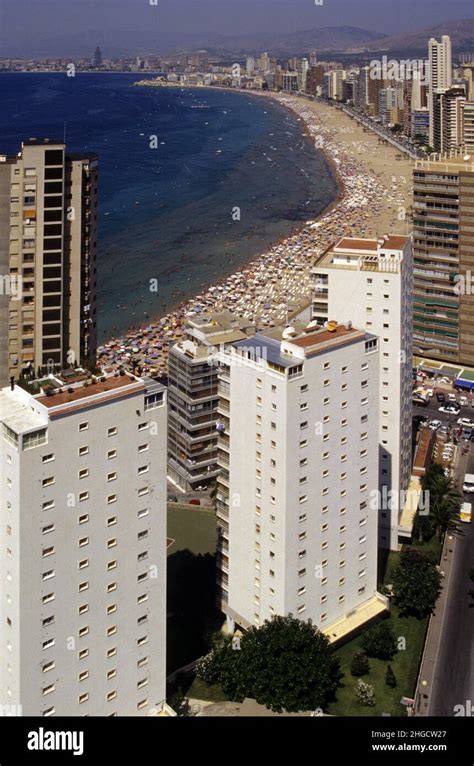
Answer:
(443, 255)
(83, 535)
(298, 441)
(371, 282)
(48, 238)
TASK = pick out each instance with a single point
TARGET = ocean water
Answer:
(231, 174)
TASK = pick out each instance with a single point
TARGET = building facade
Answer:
(371, 282)
(193, 399)
(83, 507)
(443, 258)
(297, 534)
(48, 203)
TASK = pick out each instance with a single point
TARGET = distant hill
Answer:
(460, 32)
(297, 43)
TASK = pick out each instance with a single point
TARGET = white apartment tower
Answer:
(83, 536)
(370, 281)
(299, 457)
(440, 73)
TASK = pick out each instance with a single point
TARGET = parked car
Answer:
(419, 402)
(440, 398)
(435, 424)
(450, 409)
(194, 501)
(452, 398)
(172, 499)
(463, 401)
(429, 393)
(465, 423)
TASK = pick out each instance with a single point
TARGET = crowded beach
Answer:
(276, 285)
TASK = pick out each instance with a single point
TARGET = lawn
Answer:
(191, 591)
(192, 530)
(404, 664)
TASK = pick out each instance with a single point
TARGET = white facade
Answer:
(302, 456)
(370, 282)
(83, 536)
(440, 73)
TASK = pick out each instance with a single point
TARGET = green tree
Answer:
(360, 664)
(365, 694)
(423, 529)
(416, 583)
(379, 641)
(286, 664)
(390, 678)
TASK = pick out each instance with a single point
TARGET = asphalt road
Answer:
(453, 677)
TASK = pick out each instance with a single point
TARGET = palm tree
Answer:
(445, 504)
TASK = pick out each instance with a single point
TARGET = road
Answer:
(453, 677)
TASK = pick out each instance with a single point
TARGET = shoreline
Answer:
(274, 285)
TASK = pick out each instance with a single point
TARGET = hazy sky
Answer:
(61, 27)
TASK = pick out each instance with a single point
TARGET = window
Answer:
(83, 541)
(83, 698)
(83, 426)
(83, 586)
(83, 451)
(111, 454)
(112, 651)
(83, 609)
(83, 653)
(48, 482)
(111, 499)
(83, 496)
(83, 631)
(48, 505)
(113, 431)
(49, 643)
(112, 476)
(111, 674)
(111, 565)
(83, 564)
(47, 458)
(83, 675)
(111, 696)
(83, 519)
(111, 521)
(47, 575)
(48, 551)
(48, 689)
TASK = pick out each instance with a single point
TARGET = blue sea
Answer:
(231, 173)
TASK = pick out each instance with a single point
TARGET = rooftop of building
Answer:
(292, 346)
(351, 252)
(444, 163)
(70, 392)
(24, 408)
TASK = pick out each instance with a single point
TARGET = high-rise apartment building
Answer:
(443, 258)
(193, 398)
(468, 126)
(440, 74)
(371, 282)
(448, 119)
(83, 534)
(48, 206)
(297, 528)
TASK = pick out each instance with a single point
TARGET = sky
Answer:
(73, 27)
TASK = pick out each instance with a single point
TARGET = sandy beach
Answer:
(375, 195)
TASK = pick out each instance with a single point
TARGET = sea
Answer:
(193, 182)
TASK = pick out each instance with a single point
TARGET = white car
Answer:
(435, 424)
(429, 393)
(452, 398)
(463, 401)
(465, 423)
